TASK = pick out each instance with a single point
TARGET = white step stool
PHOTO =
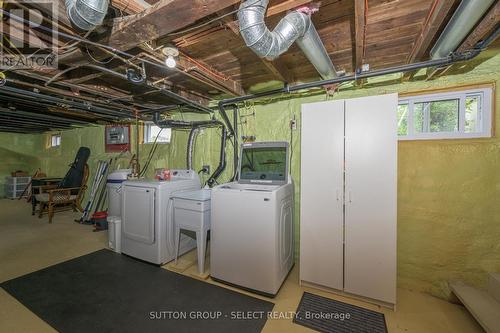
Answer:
(484, 305)
(192, 212)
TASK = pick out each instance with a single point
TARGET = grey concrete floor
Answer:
(28, 244)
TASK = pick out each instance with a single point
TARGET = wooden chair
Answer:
(52, 197)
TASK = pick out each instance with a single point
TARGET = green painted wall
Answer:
(54, 161)
(17, 152)
(448, 190)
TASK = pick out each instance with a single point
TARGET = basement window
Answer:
(55, 140)
(451, 115)
(151, 132)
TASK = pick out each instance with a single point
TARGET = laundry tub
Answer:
(114, 185)
(115, 233)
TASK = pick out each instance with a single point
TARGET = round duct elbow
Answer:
(87, 14)
(265, 43)
(295, 26)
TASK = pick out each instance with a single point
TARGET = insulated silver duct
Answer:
(86, 14)
(295, 26)
(190, 147)
(468, 13)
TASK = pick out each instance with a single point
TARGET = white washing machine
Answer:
(147, 222)
(252, 237)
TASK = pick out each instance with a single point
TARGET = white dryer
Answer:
(147, 222)
(252, 237)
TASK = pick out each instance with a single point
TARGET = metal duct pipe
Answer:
(222, 158)
(190, 147)
(468, 13)
(86, 14)
(295, 26)
(236, 141)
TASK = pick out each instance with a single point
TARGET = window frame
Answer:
(58, 141)
(147, 133)
(485, 121)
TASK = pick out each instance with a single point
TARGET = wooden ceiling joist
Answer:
(188, 64)
(231, 22)
(483, 29)
(279, 70)
(130, 6)
(164, 17)
(439, 11)
(359, 31)
(286, 5)
(276, 67)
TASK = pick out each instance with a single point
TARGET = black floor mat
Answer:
(330, 316)
(108, 292)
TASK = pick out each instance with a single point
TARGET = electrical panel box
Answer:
(117, 138)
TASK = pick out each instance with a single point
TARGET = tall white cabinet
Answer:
(348, 208)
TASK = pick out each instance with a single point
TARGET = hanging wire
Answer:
(151, 154)
(98, 61)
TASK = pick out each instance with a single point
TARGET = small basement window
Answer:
(151, 132)
(451, 115)
(55, 140)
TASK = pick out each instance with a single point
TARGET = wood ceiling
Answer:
(214, 60)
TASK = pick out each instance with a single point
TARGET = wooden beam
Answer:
(435, 19)
(130, 6)
(279, 70)
(164, 17)
(232, 23)
(85, 78)
(438, 12)
(187, 64)
(285, 5)
(359, 32)
(483, 29)
(276, 67)
(488, 24)
(205, 73)
(271, 11)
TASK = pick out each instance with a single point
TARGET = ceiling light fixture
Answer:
(170, 62)
(170, 52)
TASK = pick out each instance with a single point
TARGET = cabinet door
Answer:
(321, 185)
(371, 197)
(138, 220)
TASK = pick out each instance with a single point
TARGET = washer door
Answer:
(138, 220)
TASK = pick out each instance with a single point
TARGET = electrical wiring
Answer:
(98, 61)
(72, 46)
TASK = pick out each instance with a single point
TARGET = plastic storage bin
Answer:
(14, 186)
(114, 184)
(115, 233)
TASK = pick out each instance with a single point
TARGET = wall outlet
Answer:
(293, 124)
(206, 169)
